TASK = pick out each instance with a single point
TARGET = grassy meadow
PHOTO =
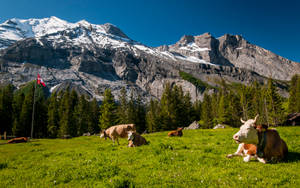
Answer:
(198, 159)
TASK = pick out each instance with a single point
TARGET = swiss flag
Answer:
(40, 81)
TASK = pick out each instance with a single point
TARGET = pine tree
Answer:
(292, 105)
(67, 122)
(187, 112)
(6, 109)
(166, 105)
(123, 108)
(206, 115)
(197, 110)
(153, 120)
(107, 111)
(274, 104)
(24, 127)
(93, 116)
(40, 118)
(222, 115)
(140, 118)
(17, 108)
(234, 109)
(81, 116)
(53, 117)
(298, 95)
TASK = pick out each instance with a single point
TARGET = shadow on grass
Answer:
(292, 157)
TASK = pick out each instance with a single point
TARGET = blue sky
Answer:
(274, 25)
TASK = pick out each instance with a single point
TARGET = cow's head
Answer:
(247, 133)
(130, 135)
(103, 134)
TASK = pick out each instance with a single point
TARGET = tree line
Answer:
(67, 113)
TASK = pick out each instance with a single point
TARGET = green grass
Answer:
(198, 159)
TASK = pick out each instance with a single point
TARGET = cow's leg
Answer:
(262, 160)
(239, 151)
(247, 158)
(117, 141)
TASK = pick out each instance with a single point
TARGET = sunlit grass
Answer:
(195, 160)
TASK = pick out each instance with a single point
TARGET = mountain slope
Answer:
(95, 57)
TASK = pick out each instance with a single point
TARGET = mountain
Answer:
(91, 58)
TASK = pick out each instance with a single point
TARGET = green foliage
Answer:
(67, 113)
(274, 104)
(93, 116)
(53, 116)
(108, 110)
(206, 114)
(294, 91)
(196, 82)
(6, 109)
(153, 116)
(175, 109)
(81, 115)
(195, 160)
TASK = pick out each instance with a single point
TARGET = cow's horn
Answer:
(255, 118)
(242, 120)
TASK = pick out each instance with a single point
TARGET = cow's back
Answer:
(122, 130)
(275, 146)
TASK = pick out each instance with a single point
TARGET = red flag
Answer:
(40, 81)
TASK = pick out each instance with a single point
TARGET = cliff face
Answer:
(91, 58)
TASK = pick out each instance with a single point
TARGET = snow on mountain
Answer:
(84, 35)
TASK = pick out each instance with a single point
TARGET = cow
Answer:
(117, 131)
(135, 139)
(177, 132)
(18, 140)
(270, 147)
(247, 151)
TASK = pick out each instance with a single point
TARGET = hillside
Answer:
(195, 160)
(91, 58)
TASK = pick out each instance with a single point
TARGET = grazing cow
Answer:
(269, 144)
(117, 131)
(135, 139)
(177, 132)
(18, 140)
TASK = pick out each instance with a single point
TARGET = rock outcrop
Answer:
(90, 58)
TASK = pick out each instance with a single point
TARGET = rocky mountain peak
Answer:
(95, 57)
(233, 41)
(185, 40)
(112, 29)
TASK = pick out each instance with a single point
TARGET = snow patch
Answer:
(54, 87)
(192, 46)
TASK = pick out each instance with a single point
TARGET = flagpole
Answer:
(33, 109)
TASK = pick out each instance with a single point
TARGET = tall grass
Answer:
(195, 160)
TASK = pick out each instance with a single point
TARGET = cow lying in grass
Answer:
(270, 147)
(18, 140)
(247, 151)
(136, 139)
(177, 132)
(117, 131)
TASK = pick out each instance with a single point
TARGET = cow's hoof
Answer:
(229, 156)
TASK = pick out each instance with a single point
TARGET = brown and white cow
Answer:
(177, 132)
(268, 142)
(135, 139)
(117, 131)
(247, 151)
